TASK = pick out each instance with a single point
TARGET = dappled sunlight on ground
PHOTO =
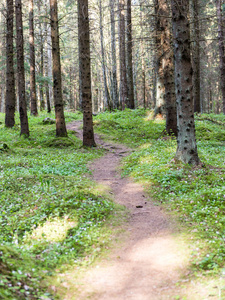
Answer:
(54, 230)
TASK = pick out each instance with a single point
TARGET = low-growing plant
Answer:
(50, 215)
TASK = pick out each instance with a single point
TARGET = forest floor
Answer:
(151, 260)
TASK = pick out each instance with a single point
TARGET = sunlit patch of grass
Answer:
(54, 230)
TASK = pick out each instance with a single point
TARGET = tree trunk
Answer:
(122, 48)
(196, 56)
(106, 91)
(49, 59)
(41, 65)
(115, 99)
(57, 81)
(167, 66)
(130, 81)
(24, 127)
(47, 62)
(221, 50)
(85, 72)
(160, 88)
(143, 75)
(10, 78)
(186, 148)
(33, 96)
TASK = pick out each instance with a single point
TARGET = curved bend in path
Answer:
(147, 265)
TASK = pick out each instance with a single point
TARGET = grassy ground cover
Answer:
(50, 213)
(196, 194)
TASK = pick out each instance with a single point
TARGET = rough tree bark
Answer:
(186, 148)
(221, 49)
(106, 90)
(41, 64)
(196, 55)
(130, 81)
(143, 71)
(24, 127)
(49, 58)
(167, 66)
(57, 81)
(160, 88)
(10, 103)
(122, 48)
(85, 72)
(47, 62)
(115, 99)
(33, 96)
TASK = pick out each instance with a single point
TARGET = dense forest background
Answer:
(204, 22)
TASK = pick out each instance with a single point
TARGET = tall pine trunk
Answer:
(221, 49)
(130, 81)
(10, 78)
(106, 90)
(33, 96)
(186, 148)
(143, 69)
(114, 93)
(57, 81)
(167, 66)
(122, 48)
(196, 55)
(41, 64)
(160, 88)
(85, 72)
(24, 127)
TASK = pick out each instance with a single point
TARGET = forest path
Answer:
(149, 261)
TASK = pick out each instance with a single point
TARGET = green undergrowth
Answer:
(197, 194)
(51, 215)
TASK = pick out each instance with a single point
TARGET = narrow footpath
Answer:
(149, 262)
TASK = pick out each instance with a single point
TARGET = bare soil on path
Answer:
(149, 261)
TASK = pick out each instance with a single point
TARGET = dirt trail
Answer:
(148, 263)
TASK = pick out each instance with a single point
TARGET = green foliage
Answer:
(196, 194)
(130, 126)
(49, 213)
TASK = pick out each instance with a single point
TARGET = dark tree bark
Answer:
(130, 81)
(85, 72)
(10, 78)
(143, 71)
(24, 127)
(160, 89)
(196, 56)
(221, 49)
(166, 62)
(33, 96)
(41, 65)
(57, 81)
(106, 90)
(186, 148)
(122, 48)
(115, 99)
(46, 68)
